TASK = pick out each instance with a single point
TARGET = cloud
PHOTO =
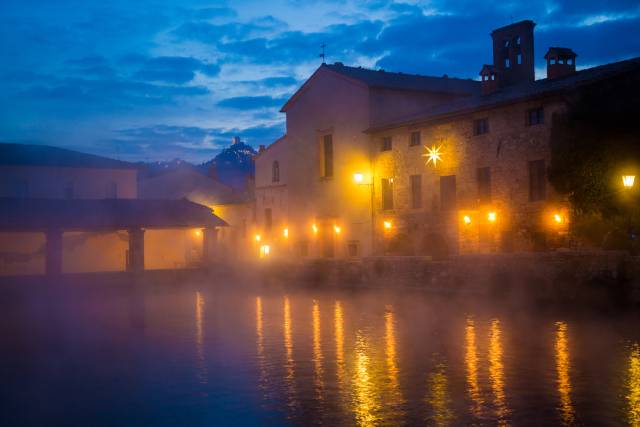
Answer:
(251, 102)
(174, 69)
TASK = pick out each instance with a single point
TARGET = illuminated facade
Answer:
(412, 165)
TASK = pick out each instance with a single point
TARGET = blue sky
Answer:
(155, 80)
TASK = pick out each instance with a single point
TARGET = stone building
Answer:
(63, 211)
(314, 195)
(470, 175)
(392, 163)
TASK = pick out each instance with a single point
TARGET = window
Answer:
(484, 185)
(112, 190)
(480, 126)
(326, 156)
(537, 180)
(275, 172)
(507, 63)
(68, 191)
(268, 219)
(387, 194)
(352, 248)
(414, 139)
(448, 193)
(416, 191)
(519, 59)
(386, 143)
(535, 116)
(518, 41)
(506, 43)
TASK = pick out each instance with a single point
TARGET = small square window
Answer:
(507, 63)
(386, 144)
(481, 126)
(415, 139)
(519, 59)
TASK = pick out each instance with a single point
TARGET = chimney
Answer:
(488, 79)
(513, 58)
(235, 140)
(213, 171)
(261, 148)
(561, 61)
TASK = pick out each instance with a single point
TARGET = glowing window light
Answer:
(258, 237)
(491, 216)
(387, 225)
(557, 218)
(285, 233)
(466, 219)
(628, 180)
(337, 229)
(433, 155)
(314, 228)
(358, 177)
(265, 250)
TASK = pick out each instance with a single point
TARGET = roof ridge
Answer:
(445, 76)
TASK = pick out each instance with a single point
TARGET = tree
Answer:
(593, 143)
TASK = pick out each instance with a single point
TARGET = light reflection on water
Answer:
(208, 357)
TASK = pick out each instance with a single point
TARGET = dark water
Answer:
(197, 355)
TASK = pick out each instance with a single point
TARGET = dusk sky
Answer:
(151, 80)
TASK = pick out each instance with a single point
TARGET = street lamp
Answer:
(358, 177)
(628, 180)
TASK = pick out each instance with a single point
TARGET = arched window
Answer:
(275, 172)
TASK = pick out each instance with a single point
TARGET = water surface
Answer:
(202, 355)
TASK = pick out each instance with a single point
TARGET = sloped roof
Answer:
(560, 51)
(402, 81)
(102, 214)
(189, 184)
(395, 81)
(268, 147)
(45, 155)
(507, 95)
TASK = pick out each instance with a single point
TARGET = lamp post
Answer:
(628, 182)
(358, 177)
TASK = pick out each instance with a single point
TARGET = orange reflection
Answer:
(338, 325)
(395, 395)
(496, 372)
(563, 368)
(289, 364)
(364, 391)
(633, 386)
(471, 362)
(439, 399)
(317, 350)
(201, 365)
(260, 342)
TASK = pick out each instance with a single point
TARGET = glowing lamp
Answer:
(337, 229)
(258, 237)
(265, 250)
(358, 178)
(198, 233)
(491, 216)
(466, 219)
(314, 228)
(628, 180)
(387, 225)
(285, 233)
(557, 218)
(433, 155)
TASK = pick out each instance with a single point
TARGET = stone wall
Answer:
(534, 277)
(506, 149)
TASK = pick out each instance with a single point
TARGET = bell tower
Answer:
(513, 58)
